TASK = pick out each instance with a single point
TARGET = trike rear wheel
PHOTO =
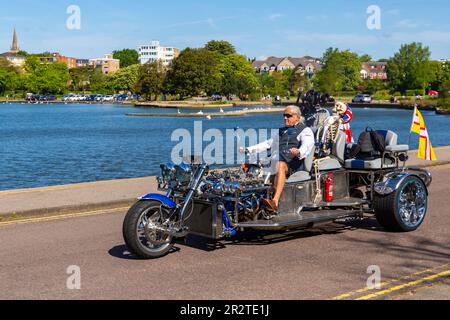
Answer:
(403, 210)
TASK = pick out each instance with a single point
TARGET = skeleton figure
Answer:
(343, 110)
(340, 120)
(328, 135)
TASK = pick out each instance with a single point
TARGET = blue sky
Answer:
(256, 28)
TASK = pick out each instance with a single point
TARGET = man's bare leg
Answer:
(280, 180)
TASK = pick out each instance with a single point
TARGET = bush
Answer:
(415, 92)
(420, 92)
(382, 95)
(444, 103)
(347, 93)
(255, 96)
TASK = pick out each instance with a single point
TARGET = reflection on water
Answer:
(60, 144)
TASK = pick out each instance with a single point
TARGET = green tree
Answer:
(374, 85)
(221, 47)
(89, 79)
(440, 72)
(11, 78)
(98, 82)
(8, 81)
(237, 76)
(80, 78)
(281, 81)
(275, 83)
(444, 95)
(365, 58)
(194, 72)
(409, 69)
(298, 81)
(127, 57)
(267, 83)
(150, 79)
(329, 53)
(340, 71)
(22, 53)
(46, 78)
(31, 64)
(444, 89)
(125, 79)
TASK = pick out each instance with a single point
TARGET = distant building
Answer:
(12, 55)
(70, 62)
(56, 57)
(82, 63)
(108, 64)
(305, 65)
(374, 70)
(154, 52)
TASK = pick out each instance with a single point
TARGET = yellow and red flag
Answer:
(426, 150)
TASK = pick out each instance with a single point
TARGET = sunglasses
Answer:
(287, 115)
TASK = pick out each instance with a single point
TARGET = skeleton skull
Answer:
(339, 108)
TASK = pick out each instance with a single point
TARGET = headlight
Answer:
(383, 189)
(167, 172)
(183, 173)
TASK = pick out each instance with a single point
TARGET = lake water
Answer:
(45, 145)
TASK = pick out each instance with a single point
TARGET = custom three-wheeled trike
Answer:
(220, 203)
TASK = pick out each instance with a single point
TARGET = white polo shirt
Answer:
(306, 137)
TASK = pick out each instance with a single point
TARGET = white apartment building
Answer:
(154, 51)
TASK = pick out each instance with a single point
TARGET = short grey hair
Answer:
(296, 110)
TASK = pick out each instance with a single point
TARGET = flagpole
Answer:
(412, 123)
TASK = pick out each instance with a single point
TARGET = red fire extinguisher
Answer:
(329, 188)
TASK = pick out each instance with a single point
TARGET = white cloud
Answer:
(393, 11)
(353, 41)
(208, 21)
(348, 15)
(319, 17)
(12, 19)
(426, 37)
(276, 16)
(211, 22)
(200, 40)
(333, 39)
(406, 23)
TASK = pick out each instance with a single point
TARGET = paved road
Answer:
(321, 263)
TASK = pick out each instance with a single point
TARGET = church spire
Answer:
(15, 46)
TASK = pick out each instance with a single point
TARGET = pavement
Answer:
(109, 194)
(83, 256)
